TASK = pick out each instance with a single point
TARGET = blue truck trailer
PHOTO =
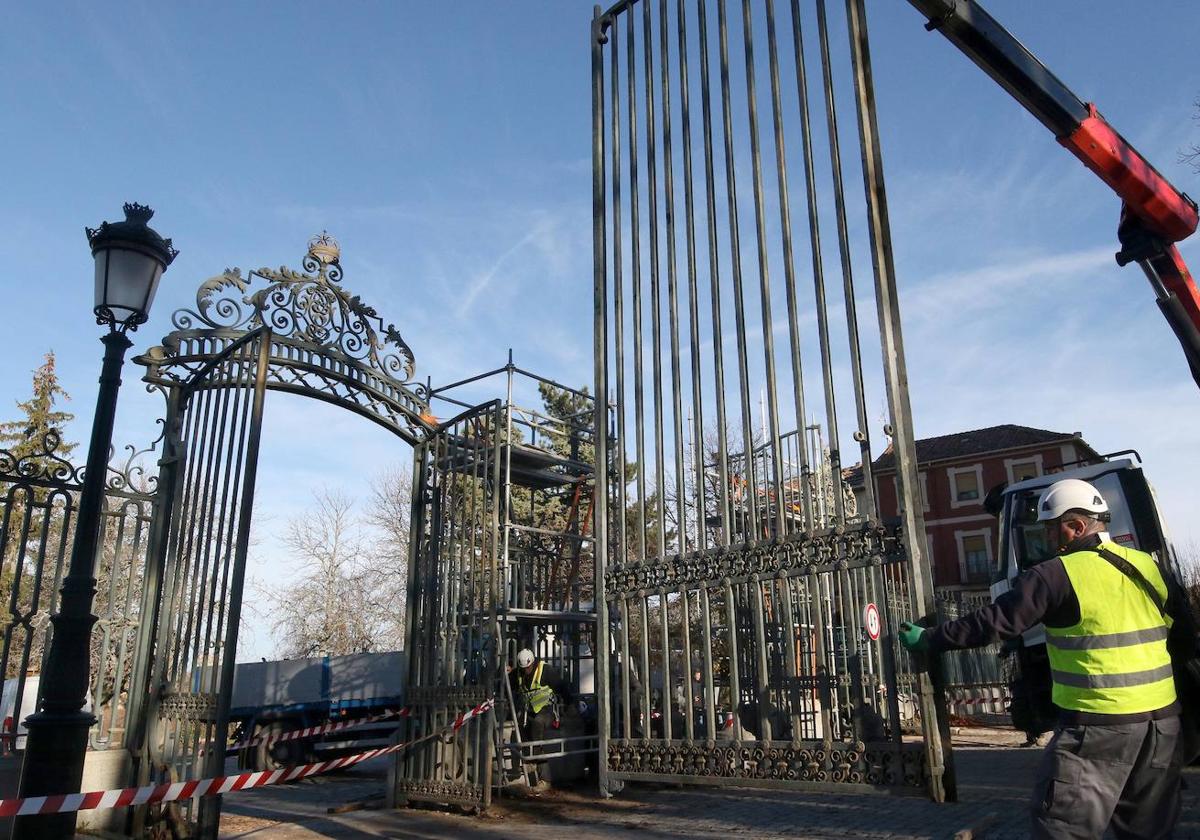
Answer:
(273, 698)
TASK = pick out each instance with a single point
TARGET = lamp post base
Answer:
(53, 747)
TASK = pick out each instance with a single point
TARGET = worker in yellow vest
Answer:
(537, 690)
(1107, 610)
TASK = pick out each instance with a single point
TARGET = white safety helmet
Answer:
(1071, 494)
(524, 658)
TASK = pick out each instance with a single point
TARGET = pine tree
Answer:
(24, 437)
(35, 537)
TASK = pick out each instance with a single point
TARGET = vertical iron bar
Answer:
(626, 671)
(602, 29)
(862, 434)
(761, 689)
(937, 744)
(764, 280)
(600, 372)
(715, 286)
(749, 529)
(672, 284)
(710, 710)
(735, 689)
(693, 293)
(686, 669)
(636, 278)
(660, 501)
(814, 247)
(666, 698)
(826, 352)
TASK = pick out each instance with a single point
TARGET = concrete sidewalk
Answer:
(995, 778)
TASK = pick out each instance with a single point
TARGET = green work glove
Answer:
(913, 637)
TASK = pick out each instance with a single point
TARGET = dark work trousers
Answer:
(1127, 774)
(540, 726)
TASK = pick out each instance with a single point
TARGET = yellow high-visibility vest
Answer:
(536, 694)
(1115, 660)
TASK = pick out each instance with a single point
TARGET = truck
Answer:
(1136, 522)
(273, 698)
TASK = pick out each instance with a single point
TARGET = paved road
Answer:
(994, 783)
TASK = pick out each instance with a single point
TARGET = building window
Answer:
(966, 485)
(1020, 469)
(975, 556)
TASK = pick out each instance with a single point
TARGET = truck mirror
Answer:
(993, 502)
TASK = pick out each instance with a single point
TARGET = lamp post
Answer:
(130, 258)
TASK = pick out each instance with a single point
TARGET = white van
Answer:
(12, 715)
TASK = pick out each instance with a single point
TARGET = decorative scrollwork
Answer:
(880, 764)
(801, 553)
(131, 475)
(307, 305)
(43, 463)
(456, 698)
(200, 707)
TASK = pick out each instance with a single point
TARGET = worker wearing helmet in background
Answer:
(1113, 757)
(536, 688)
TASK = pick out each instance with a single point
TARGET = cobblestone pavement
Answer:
(994, 783)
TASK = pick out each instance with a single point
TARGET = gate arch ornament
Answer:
(302, 333)
(325, 342)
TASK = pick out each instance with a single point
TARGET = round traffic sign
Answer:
(871, 621)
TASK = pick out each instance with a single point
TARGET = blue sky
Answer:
(447, 147)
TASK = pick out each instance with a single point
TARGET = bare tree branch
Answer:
(1192, 156)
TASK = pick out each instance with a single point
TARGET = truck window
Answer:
(1029, 535)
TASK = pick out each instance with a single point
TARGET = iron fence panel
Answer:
(734, 562)
(39, 493)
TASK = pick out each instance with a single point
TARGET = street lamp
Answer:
(130, 259)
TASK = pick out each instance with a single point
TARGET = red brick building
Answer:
(956, 472)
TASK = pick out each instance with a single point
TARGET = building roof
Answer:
(979, 441)
(853, 475)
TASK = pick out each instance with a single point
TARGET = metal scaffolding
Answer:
(501, 560)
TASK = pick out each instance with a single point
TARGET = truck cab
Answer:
(1136, 522)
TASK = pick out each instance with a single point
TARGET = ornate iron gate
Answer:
(453, 625)
(39, 492)
(304, 334)
(737, 566)
(214, 426)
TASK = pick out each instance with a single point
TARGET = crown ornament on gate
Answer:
(309, 306)
(324, 249)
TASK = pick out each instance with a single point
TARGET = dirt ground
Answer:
(994, 774)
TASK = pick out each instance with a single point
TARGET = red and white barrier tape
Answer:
(310, 731)
(172, 791)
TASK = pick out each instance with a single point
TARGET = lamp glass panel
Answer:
(101, 273)
(132, 278)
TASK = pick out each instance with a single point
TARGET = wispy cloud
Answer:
(960, 293)
(541, 235)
